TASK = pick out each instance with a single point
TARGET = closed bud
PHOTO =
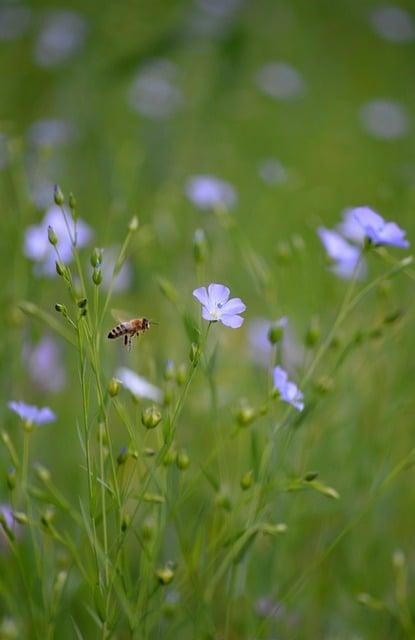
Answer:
(47, 517)
(181, 374)
(96, 257)
(61, 308)
(168, 397)
(42, 473)
(169, 371)
(151, 417)
(244, 414)
(310, 476)
(313, 333)
(97, 277)
(60, 268)
(125, 522)
(114, 387)
(182, 460)
(133, 226)
(165, 575)
(20, 517)
(58, 196)
(28, 426)
(82, 303)
(122, 456)
(199, 246)
(52, 237)
(169, 457)
(168, 290)
(276, 331)
(148, 529)
(247, 480)
(72, 202)
(223, 500)
(60, 582)
(11, 479)
(194, 353)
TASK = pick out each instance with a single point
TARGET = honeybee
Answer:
(129, 329)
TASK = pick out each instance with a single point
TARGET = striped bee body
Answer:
(129, 329)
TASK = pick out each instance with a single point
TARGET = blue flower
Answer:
(208, 192)
(289, 392)
(378, 230)
(216, 306)
(345, 256)
(32, 414)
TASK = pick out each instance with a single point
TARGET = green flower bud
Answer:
(82, 303)
(11, 479)
(169, 457)
(310, 476)
(114, 387)
(276, 331)
(151, 417)
(61, 308)
(60, 268)
(164, 575)
(125, 522)
(42, 473)
(122, 456)
(247, 480)
(97, 277)
(244, 414)
(182, 460)
(194, 353)
(47, 517)
(148, 529)
(52, 237)
(58, 196)
(133, 226)
(181, 374)
(313, 333)
(28, 426)
(324, 384)
(199, 246)
(72, 202)
(20, 517)
(168, 397)
(96, 258)
(60, 582)
(223, 500)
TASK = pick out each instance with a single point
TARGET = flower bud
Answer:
(168, 397)
(324, 384)
(61, 308)
(114, 387)
(97, 277)
(20, 517)
(169, 457)
(165, 575)
(199, 246)
(181, 374)
(148, 529)
(42, 473)
(52, 237)
(72, 202)
(247, 480)
(125, 522)
(133, 226)
(47, 517)
(169, 371)
(28, 426)
(96, 257)
(82, 303)
(58, 196)
(194, 353)
(223, 500)
(60, 268)
(60, 582)
(122, 456)
(313, 333)
(182, 461)
(244, 414)
(275, 333)
(310, 476)
(151, 417)
(11, 479)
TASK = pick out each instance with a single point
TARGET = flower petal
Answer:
(218, 294)
(233, 306)
(206, 315)
(232, 321)
(201, 296)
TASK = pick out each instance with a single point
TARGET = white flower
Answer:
(137, 385)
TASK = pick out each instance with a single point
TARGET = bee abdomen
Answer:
(116, 332)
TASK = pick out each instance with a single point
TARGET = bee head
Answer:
(146, 323)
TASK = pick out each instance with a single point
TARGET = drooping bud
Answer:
(47, 517)
(151, 417)
(52, 237)
(199, 246)
(247, 480)
(97, 277)
(223, 500)
(169, 457)
(114, 387)
(96, 258)
(133, 226)
(58, 196)
(182, 460)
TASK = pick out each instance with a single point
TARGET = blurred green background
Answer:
(215, 111)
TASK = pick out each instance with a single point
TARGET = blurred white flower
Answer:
(384, 119)
(50, 132)
(137, 385)
(272, 171)
(280, 80)
(38, 248)
(44, 364)
(208, 192)
(393, 23)
(154, 92)
(62, 35)
(123, 279)
(14, 21)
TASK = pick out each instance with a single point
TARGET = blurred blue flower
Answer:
(346, 258)
(208, 192)
(38, 248)
(44, 364)
(137, 385)
(378, 230)
(385, 119)
(281, 81)
(289, 350)
(154, 92)
(350, 228)
(32, 414)
(51, 132)
(289, 392)
(62, 35)
(272, 171)
(216, 306)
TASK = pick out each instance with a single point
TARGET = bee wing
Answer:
(120, 315)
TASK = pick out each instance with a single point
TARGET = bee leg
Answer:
(129, 342)
(125, 340)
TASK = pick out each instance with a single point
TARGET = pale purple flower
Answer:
(62, 35)
(378, 230)
(208, 192)
(45, 365)
(385, 119)
(38, 248)
(154, 92)
(393, 23)
(280, 80)
(272, 171)
(289, 392)
(216, 306)
(31, 413)
(51, 132)
(137, 385)
(350, 228)
(346, 258)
